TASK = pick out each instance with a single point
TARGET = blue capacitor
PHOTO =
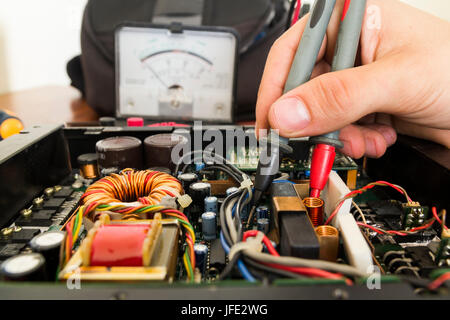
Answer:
(201, 256)
(231, 190)
(263, 225)
(209, 225)
(211, 204)
(262, 212)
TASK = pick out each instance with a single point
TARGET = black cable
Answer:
(271, 270)
(222, 217)
(237, 215)
(229, 267)
(290, 13)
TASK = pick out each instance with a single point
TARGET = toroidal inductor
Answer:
(314, 206)
(88, 165)
(329, 242)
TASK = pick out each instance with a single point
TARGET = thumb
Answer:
(332, 101)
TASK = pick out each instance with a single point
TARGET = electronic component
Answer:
(88, 165)
(198, 192)
(187, 179)
(262, 212)
(10, 249)
(41, 218)
(159, 147)
(24, 267)
(314, 206)
(49, 245)
(209, 225)
(217, 258)
(17, 234)
(201, 256)
(414, 215)
(297, 235)
(329, 242)
(262, 224)
(211, 204)
(119, 152)
(122, 264)
(443, 254)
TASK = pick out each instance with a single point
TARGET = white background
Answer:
(38, 37)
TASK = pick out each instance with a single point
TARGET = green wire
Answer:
(189, 264)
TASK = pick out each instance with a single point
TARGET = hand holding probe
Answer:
(344, 58)
(300, 72)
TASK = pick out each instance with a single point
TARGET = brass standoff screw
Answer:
(48, 192)
(26, 213)
(57, 188)
(38, 202)
(6, 232)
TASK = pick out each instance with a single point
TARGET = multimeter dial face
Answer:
(188, 75)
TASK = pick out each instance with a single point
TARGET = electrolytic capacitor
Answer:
(211, 204)
(198, 192)
(119, 152)
(262, 212)
(209, 225)
(49, 245)
(24, 267)
(201, 256)
(187, 179)
(263, 225)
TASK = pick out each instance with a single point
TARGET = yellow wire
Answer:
(186, 266)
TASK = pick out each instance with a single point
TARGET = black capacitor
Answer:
(158, 149)
(24, 267)
(49, 245)
(187, 179)
(198, 192)
(201, 256)
(119, 152)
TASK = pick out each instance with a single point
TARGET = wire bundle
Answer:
(118, 193)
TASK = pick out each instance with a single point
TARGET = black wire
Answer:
(222, 217)
(290, 13)
(237, 215)
(274, 271)
(229, 267)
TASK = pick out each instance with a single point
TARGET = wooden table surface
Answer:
(50, 104)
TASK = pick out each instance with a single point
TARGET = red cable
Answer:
(439, 281)
(313, 272)
(436, 216)
(298, 6)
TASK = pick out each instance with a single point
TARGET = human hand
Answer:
(400, 86)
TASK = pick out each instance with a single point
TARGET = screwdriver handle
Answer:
(310, 43)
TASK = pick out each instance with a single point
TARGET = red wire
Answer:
(362, 190)
(436, 216)
(298, 6)
(312, 272)
(439, 281)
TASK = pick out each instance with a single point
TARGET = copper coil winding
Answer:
(147, 187)
(314, 206)
(89, 171)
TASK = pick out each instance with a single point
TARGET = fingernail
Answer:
(291, 114)
(371, 149)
